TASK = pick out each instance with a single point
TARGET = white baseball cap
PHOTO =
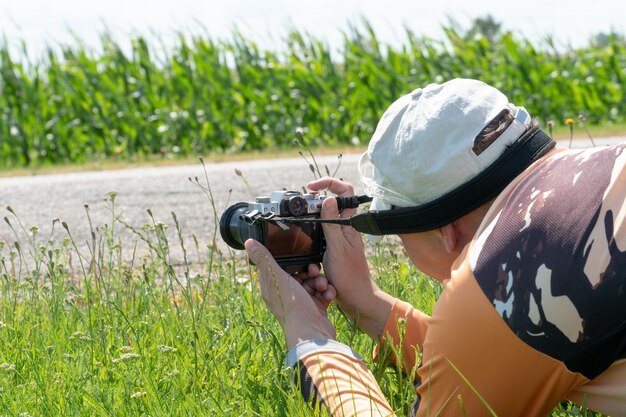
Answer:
(423, 145)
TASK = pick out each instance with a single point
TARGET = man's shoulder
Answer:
(547, 256)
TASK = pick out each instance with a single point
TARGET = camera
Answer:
(279, 222)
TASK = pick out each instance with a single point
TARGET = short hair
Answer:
(492, 131)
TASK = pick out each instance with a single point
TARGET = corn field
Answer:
(206, 96)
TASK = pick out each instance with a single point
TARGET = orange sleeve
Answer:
(346, 386)
(340, 381)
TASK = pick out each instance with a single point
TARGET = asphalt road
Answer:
(39, 200)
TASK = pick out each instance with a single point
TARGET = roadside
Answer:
(78, 198)
(561, 134)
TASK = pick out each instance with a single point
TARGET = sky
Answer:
(46, 22)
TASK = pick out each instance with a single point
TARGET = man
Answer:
(529, 241)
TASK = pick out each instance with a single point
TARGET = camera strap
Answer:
(531, 146)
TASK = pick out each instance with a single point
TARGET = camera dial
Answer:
(295, 206)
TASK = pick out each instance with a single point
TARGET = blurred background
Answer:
(128, 81)
(44, 23)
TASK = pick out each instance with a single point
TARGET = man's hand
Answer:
(345, 265)
(316, 284)
(300, 309)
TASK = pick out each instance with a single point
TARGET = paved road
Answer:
(38, 200)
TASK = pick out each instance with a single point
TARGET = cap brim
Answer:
(379, 204)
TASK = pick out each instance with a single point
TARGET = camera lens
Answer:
(297, 206)
(233, 230)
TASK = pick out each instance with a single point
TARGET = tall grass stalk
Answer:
(121, 330)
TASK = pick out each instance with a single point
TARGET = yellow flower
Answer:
(569, 121)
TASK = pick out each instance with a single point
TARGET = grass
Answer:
(118, 329)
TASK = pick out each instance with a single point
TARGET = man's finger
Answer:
(314, 270)
(330, 211)
(330, 294)
(337, 234)
(335, 186)
(321, 283)
(262, 258)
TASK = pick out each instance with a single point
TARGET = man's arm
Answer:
(332, 375)
(346, 267)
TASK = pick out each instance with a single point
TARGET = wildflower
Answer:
(569, 121)
(550, 126)
(160, 225)
(166, 349)
(7, 367)
(138, 394)
(126, 356)
(80, 336)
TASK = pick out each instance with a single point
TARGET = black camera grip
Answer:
(351, 202)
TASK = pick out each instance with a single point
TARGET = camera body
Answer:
(274, 221)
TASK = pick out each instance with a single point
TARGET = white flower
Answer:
(126, 356)
(7, 367)
(165, 348)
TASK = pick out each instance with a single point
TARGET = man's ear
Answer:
(450, 237)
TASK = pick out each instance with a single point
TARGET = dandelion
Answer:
(570, 122)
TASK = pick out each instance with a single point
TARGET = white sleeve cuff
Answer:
(312, 345)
